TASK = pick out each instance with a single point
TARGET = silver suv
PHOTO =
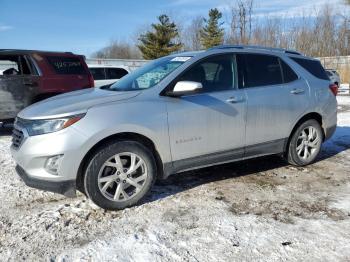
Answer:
(176, 113)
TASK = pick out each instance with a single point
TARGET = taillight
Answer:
(334, 89)
(91, 80)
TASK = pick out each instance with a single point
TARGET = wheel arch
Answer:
(312, 115)
(147, 142)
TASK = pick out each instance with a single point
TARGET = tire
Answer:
(303, 150)
(107, 182)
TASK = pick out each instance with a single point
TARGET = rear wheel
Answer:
(120, 175)
(305, 143)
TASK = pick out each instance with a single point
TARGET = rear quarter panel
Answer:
(325, 102)
(322, 101)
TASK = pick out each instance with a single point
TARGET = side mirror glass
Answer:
(185, 87)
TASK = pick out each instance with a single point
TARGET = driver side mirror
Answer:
(185, 88)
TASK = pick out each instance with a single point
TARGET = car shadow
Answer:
(338, 143)
(5, 132)
(184, 181)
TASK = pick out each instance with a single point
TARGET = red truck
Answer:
(29, 76)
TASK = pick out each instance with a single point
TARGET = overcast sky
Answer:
(84, 26)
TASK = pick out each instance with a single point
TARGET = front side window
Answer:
(256, 70)
(149, 75)
(215, 73)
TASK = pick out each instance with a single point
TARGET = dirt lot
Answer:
(260, 209)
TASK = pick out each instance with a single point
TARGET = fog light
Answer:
(52, 164)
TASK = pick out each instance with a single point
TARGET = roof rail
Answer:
(31, 51)
(256, 47)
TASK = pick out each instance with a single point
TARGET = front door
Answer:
(208, 126)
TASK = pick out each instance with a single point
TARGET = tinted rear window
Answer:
(98, 73)
(313, 67)
(66, 65)
(115, 73)
(258, 70)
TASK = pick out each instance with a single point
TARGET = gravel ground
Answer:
(260, 209)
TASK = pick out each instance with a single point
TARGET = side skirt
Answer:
(263, 149)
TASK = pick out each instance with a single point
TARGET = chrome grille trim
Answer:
(19, 135)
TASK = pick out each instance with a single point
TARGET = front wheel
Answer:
(120, 175)
(305, 143)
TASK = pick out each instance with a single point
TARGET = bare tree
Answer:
(119, 50)
(241, 22)
(343, 46)
(191, 35)
(326, 33)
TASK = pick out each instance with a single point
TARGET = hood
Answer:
(73, 103)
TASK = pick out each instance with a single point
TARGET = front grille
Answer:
(17, 137)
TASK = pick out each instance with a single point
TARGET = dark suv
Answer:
(28, 76)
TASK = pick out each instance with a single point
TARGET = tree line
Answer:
(325, 33)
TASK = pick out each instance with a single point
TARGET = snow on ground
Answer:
(344, 89)
(260, 209)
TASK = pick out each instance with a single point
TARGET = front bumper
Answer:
(67, 188)
(33, 152)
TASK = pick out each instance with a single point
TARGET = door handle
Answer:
(296, 91)
(234, 99)
(28, 83)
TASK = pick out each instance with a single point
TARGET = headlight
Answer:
(45, 126)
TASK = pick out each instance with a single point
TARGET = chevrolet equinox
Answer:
(176, 113)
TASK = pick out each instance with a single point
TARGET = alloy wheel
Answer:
(308, 143)
(122, 176)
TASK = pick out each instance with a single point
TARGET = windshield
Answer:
(149, 75)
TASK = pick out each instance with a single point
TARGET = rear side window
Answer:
(16, 65)
(98, 73)
(115, 73)
(314, 67)
(66, 65)
(288, 74)
(258, 70)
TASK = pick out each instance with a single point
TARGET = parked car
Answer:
(333, 76)
(177, 113)
(32, 76)
(107, 74)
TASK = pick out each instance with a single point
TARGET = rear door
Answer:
(276, 97)
(18, 85)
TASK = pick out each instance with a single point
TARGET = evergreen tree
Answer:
(160, 41)
(212, 33)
